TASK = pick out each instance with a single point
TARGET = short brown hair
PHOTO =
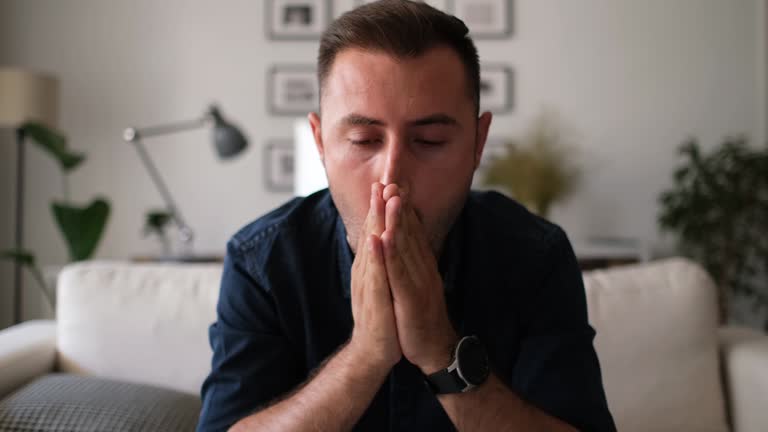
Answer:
(402, 28)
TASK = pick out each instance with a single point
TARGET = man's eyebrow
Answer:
(360, 120)
(442, 119)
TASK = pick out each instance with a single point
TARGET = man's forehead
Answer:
(363, 80)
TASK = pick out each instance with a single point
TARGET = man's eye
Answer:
(362, 142)
(430, 142)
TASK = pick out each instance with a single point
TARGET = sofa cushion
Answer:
(657, 343)
(72, 403)
(144, 323)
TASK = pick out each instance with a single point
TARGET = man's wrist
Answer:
(441, 359)
(368, 365)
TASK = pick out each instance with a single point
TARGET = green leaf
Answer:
(53, 143)
(156, 221)
(82, 227)
(718, 207)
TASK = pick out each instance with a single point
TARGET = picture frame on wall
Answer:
(496, 88)
(486, 19)
(296, 19)
(279, 165)
(292, 90)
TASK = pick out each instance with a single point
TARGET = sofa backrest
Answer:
(656, 334)
(144, 323)
(657, 342)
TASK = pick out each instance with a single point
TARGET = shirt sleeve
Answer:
(253, 362)
(557, 368)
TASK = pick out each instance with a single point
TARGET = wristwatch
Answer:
(469, 369)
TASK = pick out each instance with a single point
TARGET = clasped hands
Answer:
(398, 304)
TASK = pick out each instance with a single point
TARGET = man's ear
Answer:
(483, 125)
(314, 123)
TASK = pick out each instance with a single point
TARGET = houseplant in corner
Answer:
(82, 226)
(537, 170)
(718, 208)
(155, 223)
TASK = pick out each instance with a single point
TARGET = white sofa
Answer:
(666, 364)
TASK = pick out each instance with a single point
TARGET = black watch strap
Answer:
(443, 381)
(469, 357)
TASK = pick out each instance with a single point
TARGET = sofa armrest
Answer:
(27, 350)
(745, 370)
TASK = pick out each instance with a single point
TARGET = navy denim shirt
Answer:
(510, 278)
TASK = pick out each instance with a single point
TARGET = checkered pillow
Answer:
(72, 403)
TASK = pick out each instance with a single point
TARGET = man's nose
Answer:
(395, 163)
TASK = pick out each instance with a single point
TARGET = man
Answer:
(398, 300)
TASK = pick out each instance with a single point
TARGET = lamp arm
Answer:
(133, 134)
(186, 232)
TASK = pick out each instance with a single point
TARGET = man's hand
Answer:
(374, 333)
(426, 335)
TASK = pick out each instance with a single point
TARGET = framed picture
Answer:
(496, 88)
(342, 6)
(485, 18)
(292, 90)
(296, 19)
(279, 165)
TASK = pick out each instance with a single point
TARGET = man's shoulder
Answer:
(300, 213)
(506, 220)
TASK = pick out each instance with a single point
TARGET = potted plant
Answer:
(718, 209)
(82, 226)
(539, 169)
(155, 223)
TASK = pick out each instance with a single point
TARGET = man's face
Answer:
(407, 121)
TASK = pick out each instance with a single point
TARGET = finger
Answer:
(393, 209)
(400, 230)
(416, 231)
(365, 229)
(359, 271)
(397, 273)
(391, 190)
(361, 252)
(362, 257)
(377, 209)
(377, 275)
(407, 244)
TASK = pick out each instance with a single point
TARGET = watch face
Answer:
(473, 361)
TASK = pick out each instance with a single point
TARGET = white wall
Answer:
(633, 77)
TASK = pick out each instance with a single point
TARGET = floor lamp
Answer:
(24, 96)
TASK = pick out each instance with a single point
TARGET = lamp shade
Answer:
(28, 96)
(228, 139)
